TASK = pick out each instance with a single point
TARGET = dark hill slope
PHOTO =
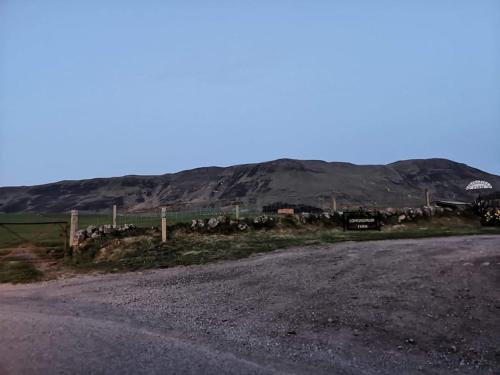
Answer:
(293, 181)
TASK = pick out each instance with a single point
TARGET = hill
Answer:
(286, 180)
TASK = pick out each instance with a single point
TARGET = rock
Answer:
(197, 224)
(326, 215)
(265, 221)
(401, 218)
(91, 229)
(212, 222)
(410, 341)
(108, 229)
(242, 226)
(95, 235)
(261, 219)
(81, 235)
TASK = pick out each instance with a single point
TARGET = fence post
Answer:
(237, 211)
(427, 198)
(163, 224)
(114, 216)
(73, 241)
(334, 202)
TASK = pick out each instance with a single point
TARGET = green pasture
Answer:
(51, 234)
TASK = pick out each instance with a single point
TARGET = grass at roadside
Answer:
(144, 250)
(18, 270)
(193, 248)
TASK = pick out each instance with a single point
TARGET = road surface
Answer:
(428, 306)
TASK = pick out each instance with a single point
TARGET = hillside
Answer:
(294, 181)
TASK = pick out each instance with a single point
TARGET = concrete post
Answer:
(334, 203)
(73, 241)
(427, 198)
(114, 216)
(163, 224)
(237, 211)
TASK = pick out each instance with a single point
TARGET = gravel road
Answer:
(428, 306)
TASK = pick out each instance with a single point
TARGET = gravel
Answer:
(427, 306)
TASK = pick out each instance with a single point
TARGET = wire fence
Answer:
(152, 218)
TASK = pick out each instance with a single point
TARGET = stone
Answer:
(91, 229)
(197, 224)
(401, 218)
(212, 222)
(95, 235)
(81, 235)
(242, 226)
(108, 229)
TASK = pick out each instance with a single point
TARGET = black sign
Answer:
(360, 220)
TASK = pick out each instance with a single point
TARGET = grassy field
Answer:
(51, 235)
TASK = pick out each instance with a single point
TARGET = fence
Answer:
(153, 218)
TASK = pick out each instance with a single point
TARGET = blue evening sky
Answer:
(108, 88)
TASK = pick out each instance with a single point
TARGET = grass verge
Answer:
(193, 248)
(18, 270)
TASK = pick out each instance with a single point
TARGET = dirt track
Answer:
(427, 306)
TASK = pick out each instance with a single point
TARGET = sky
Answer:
(110, 88)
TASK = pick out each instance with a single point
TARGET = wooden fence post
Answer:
(163, 224)
(237, 211)
(334, 202)
(73, 241)
(427, 198)
(114, 216)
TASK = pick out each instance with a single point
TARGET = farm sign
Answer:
(360, 221)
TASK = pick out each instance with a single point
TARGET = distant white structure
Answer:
(474, 185)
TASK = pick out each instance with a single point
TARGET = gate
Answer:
(47, 234)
